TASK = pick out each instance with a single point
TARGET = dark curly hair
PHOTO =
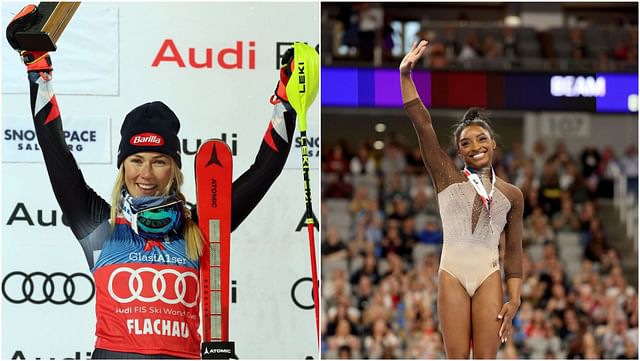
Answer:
(473, 116)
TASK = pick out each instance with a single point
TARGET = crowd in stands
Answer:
(381, 244)
(358, 29)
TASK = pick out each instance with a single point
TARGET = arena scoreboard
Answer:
(533, 91)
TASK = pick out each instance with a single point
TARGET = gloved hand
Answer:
(285, 73)
(34, 60)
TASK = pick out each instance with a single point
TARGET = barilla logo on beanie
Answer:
(150, 127)
(147, 140)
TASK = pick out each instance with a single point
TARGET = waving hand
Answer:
(409, 60)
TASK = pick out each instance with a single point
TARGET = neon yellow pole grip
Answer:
(304, 82)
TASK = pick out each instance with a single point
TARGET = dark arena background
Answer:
(560, 81)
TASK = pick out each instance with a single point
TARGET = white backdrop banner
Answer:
(216, 71)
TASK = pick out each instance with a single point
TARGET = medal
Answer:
(482, 192)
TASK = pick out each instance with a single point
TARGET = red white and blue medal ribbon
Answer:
(479, 187)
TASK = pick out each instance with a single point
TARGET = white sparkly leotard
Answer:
(471, 255)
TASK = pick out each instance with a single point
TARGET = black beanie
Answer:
(151, 127)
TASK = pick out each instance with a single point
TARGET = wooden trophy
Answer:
(46, 26)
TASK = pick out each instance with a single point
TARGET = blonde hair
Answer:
(192, 235)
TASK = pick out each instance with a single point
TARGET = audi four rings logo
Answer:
(39, 287)
(135, 286)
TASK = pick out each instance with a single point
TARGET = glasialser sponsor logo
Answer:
(25, 355)
(161, 257)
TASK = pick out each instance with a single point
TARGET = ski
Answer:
(213, 171)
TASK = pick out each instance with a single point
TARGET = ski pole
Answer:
(302, 90)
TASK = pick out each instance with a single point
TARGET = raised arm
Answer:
(254, 183)
(82, 208)
(441, 168)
